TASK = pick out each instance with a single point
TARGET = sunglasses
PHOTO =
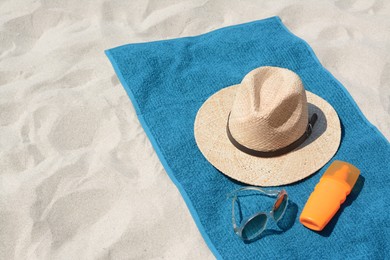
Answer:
(251, 228)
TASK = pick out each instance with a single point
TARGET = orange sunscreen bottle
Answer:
(334, 186)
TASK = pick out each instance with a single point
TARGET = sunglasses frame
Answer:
(271, 193)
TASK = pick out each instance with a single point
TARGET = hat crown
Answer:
(270, 110)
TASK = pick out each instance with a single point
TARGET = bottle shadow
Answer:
(327, 231)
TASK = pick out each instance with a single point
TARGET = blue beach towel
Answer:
(168, 81)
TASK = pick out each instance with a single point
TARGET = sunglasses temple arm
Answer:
(233, 217)
(270, 192)
(267, 192)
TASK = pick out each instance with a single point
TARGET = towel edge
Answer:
(156, 147)
(169, 171)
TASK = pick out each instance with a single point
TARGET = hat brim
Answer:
(314, 153)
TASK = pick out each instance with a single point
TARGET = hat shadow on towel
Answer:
(321, 120)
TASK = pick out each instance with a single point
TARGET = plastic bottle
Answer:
(332, 190)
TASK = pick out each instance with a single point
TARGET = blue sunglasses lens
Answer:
(254, 227)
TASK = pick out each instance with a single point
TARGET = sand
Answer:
(78, 177)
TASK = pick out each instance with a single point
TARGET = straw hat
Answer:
(268, 130)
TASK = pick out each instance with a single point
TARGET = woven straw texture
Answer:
(269, 110)
(317, 150)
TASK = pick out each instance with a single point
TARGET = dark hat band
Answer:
(277, 152)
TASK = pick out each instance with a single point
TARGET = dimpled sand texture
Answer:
(79, 179)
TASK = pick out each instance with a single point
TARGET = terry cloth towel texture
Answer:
(168, 81)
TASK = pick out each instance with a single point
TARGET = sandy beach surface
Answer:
(79, 179)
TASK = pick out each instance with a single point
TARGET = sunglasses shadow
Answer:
(284, 224)
(289, 216)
